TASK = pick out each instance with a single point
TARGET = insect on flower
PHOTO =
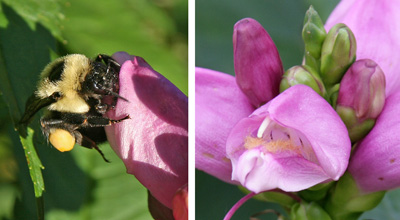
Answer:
(77, 91)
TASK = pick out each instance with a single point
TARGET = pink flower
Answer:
(374, 164)
(293, 142)
(221, 101)
(154, 143)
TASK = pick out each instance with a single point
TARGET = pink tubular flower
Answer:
(376, 26)
(293, 142)
(219, 106)
(375, 164)
(153, 143)
(221, 101)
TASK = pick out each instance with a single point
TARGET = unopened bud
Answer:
(361, 97)
(313, 36)
(338, 53)
(302, 75)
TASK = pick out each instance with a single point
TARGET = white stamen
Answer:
(263, 127)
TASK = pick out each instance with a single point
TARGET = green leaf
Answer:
(105, 191)
(46, 12)
(23, 53)
(34, 164)
(156, 32)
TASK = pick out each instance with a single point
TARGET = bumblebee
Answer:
(77, 91)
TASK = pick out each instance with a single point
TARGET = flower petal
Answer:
(376, 26)
(304, 110)
(286, 173)
(258, 66)
(219, 106)
(298, 110)
(154, 143)
(375, 164)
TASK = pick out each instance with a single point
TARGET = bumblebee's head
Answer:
(61, 82)
(59, 86)
(61, 139)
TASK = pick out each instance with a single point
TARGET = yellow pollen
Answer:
(271, 146)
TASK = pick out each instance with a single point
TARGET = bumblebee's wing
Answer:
(33, 105)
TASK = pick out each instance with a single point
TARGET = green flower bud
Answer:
(313, 36)
(333, 93)
(305, 211)
(338, 53)
(302, 75)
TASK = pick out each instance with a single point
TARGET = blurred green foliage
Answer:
(78, 184)
(284, 21)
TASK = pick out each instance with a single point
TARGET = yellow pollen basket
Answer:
(271, 146)
(62, 140)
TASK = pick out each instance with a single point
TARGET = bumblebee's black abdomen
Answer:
(97, 134)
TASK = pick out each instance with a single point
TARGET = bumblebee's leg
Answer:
(108, 60)
(88, 143)
(47, 124)
(98, 121)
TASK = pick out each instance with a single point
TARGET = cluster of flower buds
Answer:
(326, 147)
(355, 89)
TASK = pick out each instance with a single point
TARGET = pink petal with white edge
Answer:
(154, 143)
(376, 27)
(219, 106)
(266, 172)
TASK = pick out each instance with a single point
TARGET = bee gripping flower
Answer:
(258, 66)
(153, 143)
(288, 143)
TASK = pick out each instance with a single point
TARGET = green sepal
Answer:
(307, 211)
(317, 192)
(282, 198)
(347, 202)
(357, 130)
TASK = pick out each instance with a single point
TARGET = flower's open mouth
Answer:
(281, 141)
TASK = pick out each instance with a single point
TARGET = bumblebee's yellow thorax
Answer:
(76, 67)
